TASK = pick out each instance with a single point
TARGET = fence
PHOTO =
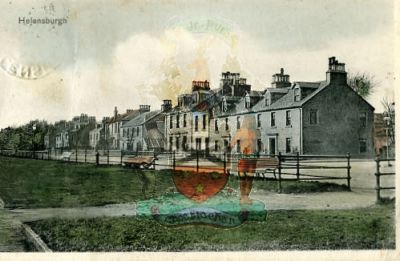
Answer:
(106, 157)
(379, 174)
(293, 167)
(288, 167)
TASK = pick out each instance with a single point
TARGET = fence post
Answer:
(42, 155)
(85, 154)
(48, 154)
(154, 161)
(348, 170)
(76, 155)
(173, 163)
(97, 158)
(279, 172)
(197, 161)
(108, 157)
(298, 165)
(378, 182)
(122, 155)
(224, 162)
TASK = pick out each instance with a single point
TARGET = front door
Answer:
(198, 144)
(272, 146)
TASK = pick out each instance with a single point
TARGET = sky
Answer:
(128, 53)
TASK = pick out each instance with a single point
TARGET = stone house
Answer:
(80, 127)
(145, 132)
(61, 134)
(323, 118)
(113, 126)
(95, 135)
(188, 125)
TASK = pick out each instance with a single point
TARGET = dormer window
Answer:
(247, 101)
(224, 105)
(297, 94)
(267, 101)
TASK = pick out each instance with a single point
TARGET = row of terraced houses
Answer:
(323, 117)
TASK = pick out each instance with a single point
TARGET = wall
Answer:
(220, 135)
(338, 129)
(281, 131)
(178, 132)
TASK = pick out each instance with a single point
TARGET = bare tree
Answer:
(389, 117)
(388, 105)
(361, 83)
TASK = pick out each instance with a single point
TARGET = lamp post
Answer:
(33, 140)
(387, 120)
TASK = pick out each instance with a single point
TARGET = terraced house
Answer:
(324, 117)
(145, 132)
(113, 126)
(188, 124)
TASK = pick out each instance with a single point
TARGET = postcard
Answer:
(198, 129)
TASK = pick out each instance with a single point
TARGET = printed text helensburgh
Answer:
(34, 21)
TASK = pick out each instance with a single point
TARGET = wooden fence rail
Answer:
(378, 175)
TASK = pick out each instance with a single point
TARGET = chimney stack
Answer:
(166, 106)
(336, 73)
(281, 80)
(144, 108)
(115, 112)
(200, 85)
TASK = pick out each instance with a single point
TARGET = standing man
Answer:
(245, 139)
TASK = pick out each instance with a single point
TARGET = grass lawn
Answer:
(12, 238)
(27, 183)
(292, 186)
(368, 228)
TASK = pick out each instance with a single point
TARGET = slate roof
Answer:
(141, 118)
(309, 84)
(160, 126)
(154, 135)
(154, 139)
(277, 90)
(256, 93)
(239, 106)
(287, 100)
(124, 117)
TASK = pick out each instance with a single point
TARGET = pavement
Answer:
(113, 210)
